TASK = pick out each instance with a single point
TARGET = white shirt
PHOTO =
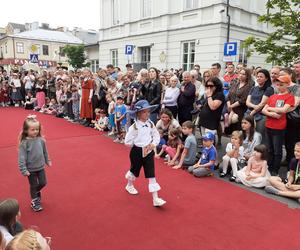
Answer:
(28, 83)
(229, 147)
(7, 236)
(171, 96)
(141, 134)
(16, 82)
(103, 121)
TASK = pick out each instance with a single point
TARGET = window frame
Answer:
(43, 47)
(189, 64)
(115, 12)
(61, 53)
(242, 56)
(146, 10)
(20, 47)
(114, 57)
(193, 4)
(146, 57)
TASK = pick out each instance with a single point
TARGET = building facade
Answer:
(177, 33)
(16, 49)
(92, 53)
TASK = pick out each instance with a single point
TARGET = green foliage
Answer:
(284, 16)
(76, 56)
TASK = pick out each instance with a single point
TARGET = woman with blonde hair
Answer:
(29, 240)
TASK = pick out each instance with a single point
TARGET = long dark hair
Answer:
(248, 74)
(268, 82)
(251, 120)
(9, 209)
(261, 148)
(157, 72)
(217, 83)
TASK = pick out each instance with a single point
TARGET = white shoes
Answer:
(158, 202)
(131, 190)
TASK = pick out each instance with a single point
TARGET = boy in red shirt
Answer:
(275, 110)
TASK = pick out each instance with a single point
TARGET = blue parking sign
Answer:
(128, 49)
(230, 49)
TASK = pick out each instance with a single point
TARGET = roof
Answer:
(49, 35)
(18, 26)
(91, 44)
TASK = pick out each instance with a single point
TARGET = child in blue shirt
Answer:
(205, 166)
(159, 148)
(120, 119)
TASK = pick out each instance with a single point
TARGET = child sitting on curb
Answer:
(188, 156)
(206, 164)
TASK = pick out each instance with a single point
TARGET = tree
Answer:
(76, 55)
(283, 45)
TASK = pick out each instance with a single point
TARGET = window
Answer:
(94, 66)
(190, 4)
(146, 8)
(61, 51)
(5, 48)
(97, 66)
(145, 54)
(115, 12)
(243, 53)
(45, 50)
(114, 57)
(20, 48)
(188, 55)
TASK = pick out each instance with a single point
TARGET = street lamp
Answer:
(228, 20)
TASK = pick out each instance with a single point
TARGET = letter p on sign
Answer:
(230, 49)
(128, 49)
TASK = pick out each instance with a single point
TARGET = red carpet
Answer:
(86, 206)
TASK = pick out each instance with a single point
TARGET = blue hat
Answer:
(209, 136)
(142, 105)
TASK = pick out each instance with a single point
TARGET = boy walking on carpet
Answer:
(143, 137)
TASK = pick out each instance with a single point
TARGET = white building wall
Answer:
(170, 24)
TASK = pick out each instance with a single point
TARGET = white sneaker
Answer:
(117, 140)
(158, 202)
(111, 133)
(131, 189)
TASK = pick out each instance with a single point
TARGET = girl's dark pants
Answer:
(37, 180)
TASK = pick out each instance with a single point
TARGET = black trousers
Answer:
(137, 162)
(184, 114)
(37, 180)
(275, 139)
(291, 137)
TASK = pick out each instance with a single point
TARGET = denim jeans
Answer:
(275, 140)
(261, 128)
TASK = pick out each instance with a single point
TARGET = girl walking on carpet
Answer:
(143, 137)
(33, 155)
